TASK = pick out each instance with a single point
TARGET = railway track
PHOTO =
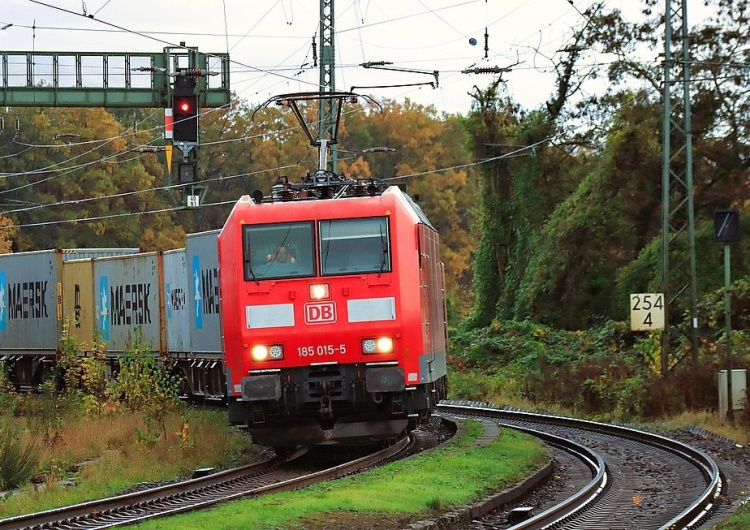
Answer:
(270, 476)
(636, 480)
(615, 478)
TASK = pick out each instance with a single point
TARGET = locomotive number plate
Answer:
(321, 350)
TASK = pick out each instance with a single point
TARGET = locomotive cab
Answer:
(333, 315)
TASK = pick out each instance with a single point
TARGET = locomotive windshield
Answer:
(278, 250)
(355, 246)
(286, 250)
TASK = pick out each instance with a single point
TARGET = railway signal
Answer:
(185, 118)
(185, 109)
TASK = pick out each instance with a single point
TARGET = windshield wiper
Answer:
(384, 245)
(252, 272)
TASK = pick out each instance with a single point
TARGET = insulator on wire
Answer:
(195, 72)
(379, 149)
(315, 52)
(151, 69)
(486, 70)
(148, 149)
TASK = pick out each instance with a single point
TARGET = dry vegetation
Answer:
(82, 457)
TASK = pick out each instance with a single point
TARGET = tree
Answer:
(7, 233)
(76, 183)
(600, 228)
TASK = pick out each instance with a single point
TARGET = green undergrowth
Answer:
(388, 497)
(605, 374)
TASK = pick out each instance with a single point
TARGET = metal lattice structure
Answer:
(326, 111)
(678, 220)
(112, 80)
(122, 80)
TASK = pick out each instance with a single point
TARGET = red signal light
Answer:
(185, 118)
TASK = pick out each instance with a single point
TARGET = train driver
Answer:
(282, 255)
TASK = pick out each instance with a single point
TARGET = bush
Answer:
(142, 385)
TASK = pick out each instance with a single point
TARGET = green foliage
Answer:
(18, 459)
(46, 413)
(68, 366)
(492, 122)
(82, 369)
(144, 386)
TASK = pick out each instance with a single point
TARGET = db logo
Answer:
(320, 313)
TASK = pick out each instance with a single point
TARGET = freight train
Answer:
(107, 294)
(317, 314)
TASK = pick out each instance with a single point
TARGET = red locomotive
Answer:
(333, 314)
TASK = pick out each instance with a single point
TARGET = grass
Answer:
(711, 422)
(738, 521)
(387, 497)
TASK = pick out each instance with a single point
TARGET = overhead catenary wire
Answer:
(511, 154)
(263, 72)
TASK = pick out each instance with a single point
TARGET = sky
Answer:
(270, 41)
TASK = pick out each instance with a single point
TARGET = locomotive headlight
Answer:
(319, 291)
(261, 352)
(377, 345)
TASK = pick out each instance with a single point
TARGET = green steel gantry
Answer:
(118, 80)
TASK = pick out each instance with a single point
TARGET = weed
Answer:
(18, 459)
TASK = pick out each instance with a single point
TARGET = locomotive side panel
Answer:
(434, 321)
(128, 298)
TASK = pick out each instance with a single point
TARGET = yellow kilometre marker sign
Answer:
(646, 311)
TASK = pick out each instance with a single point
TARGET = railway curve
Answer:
(650, 481)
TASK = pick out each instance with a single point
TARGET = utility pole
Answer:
(678, 220)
